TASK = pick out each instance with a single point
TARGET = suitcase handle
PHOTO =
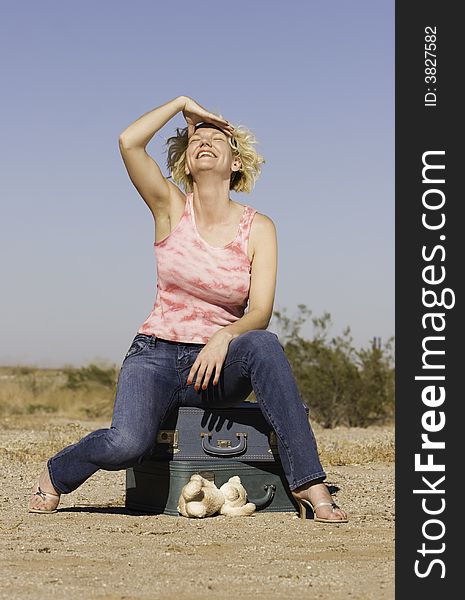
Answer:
(270, 489)
(225, 450)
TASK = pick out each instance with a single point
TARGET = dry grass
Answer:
(33, 439)
(356, 445)
(27, 390)
(44, 416)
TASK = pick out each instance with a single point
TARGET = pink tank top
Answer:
(200, 288)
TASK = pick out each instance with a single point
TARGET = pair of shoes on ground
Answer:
(50, 502)
(302, 502)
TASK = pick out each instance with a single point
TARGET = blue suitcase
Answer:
(239, 432)
(217, 443)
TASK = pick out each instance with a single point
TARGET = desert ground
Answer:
(95, 548)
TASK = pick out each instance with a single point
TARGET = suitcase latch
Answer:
(223, 443)
(169, 437)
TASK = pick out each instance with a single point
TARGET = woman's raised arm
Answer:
(143, 171)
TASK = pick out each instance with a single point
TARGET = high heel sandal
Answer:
(305, 504)
(43, 495)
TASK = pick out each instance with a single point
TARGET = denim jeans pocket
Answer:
(139, 343)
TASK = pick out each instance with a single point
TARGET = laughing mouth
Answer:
(205, 153)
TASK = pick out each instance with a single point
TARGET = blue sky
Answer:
(315, 82)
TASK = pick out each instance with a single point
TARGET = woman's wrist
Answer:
(228, 334)
(141, 131)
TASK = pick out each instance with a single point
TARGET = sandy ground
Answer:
(94, 548)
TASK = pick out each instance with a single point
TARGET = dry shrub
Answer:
(342, 385)
(88, 392)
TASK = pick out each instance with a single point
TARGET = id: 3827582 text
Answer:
(430, 66)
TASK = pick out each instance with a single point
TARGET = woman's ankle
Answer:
(45, 483)
(309, 484)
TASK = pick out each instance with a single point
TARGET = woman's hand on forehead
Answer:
(197, 115)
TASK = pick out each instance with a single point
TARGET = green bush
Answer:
(340, 384)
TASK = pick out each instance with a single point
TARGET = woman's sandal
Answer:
(44, 495)
(305, 504)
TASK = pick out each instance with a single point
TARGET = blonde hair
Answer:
(241, 144)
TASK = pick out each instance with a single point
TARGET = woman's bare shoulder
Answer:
(262, 223)
(261, 231)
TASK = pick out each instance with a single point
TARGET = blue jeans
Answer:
(152, 382)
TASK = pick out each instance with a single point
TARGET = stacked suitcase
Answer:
(217, 443)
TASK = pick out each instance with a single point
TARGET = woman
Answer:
(198, 345)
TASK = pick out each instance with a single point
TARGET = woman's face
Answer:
(208, 149)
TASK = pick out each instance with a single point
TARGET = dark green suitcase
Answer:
(154, 486)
